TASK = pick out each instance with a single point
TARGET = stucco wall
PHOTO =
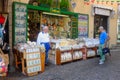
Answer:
(86, 9)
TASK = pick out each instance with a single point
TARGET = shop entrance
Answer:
(33, 24)
(100, 20)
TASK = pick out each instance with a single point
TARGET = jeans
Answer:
(102, 56)
(47, 48)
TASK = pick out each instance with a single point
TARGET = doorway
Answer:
(33, 24)
(100, 20)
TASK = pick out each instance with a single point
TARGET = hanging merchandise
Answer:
(1, 35)
(106, 2)
(112, 2)
(2, 19)
(4, 61)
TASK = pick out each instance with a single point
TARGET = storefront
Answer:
(62, 24)
(27, 23)
(100, 14)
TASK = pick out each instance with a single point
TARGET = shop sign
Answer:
(82, 25)
(55, 10)
(32, 57)
(102, 11)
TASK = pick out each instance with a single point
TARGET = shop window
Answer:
(58, 26)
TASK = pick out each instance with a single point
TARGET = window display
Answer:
(58, 25)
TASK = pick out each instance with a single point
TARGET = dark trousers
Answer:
(47, 48)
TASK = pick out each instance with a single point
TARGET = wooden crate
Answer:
(59, 53)
(58, 56)
(32, 74)
(21, 58)
(91, 48)
(77, 50)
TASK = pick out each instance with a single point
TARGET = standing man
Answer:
(102, 38)
(44, 39)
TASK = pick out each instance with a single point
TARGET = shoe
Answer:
(101, 62)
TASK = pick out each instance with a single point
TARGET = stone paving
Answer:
(78, 70)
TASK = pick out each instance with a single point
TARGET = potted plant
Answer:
(42, 3)
(64, 5)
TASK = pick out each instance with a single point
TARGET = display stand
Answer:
(77, 54)
(60, 60)
(80, 55)
(32, 62)
(92, 53)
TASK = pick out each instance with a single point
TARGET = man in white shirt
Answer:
(44, 38)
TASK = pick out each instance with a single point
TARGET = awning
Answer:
(103, 7)
(55, 14)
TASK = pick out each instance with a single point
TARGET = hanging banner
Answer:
(82, 25)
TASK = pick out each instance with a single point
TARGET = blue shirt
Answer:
(103, 37)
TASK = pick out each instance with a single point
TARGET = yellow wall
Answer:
(86, 9)
(22, 1)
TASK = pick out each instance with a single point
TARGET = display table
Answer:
(30, 62)
(91, 51)
(69, 55)
(68, 50)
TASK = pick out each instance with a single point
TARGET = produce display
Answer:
(73, 49)
(89, 42)
(29, 47)
(66, 56)
(91, 53)
(77, 55)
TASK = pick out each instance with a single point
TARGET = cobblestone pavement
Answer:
(79, 70)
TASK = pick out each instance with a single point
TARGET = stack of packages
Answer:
(4, 61)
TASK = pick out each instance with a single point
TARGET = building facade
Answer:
(100, 14)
